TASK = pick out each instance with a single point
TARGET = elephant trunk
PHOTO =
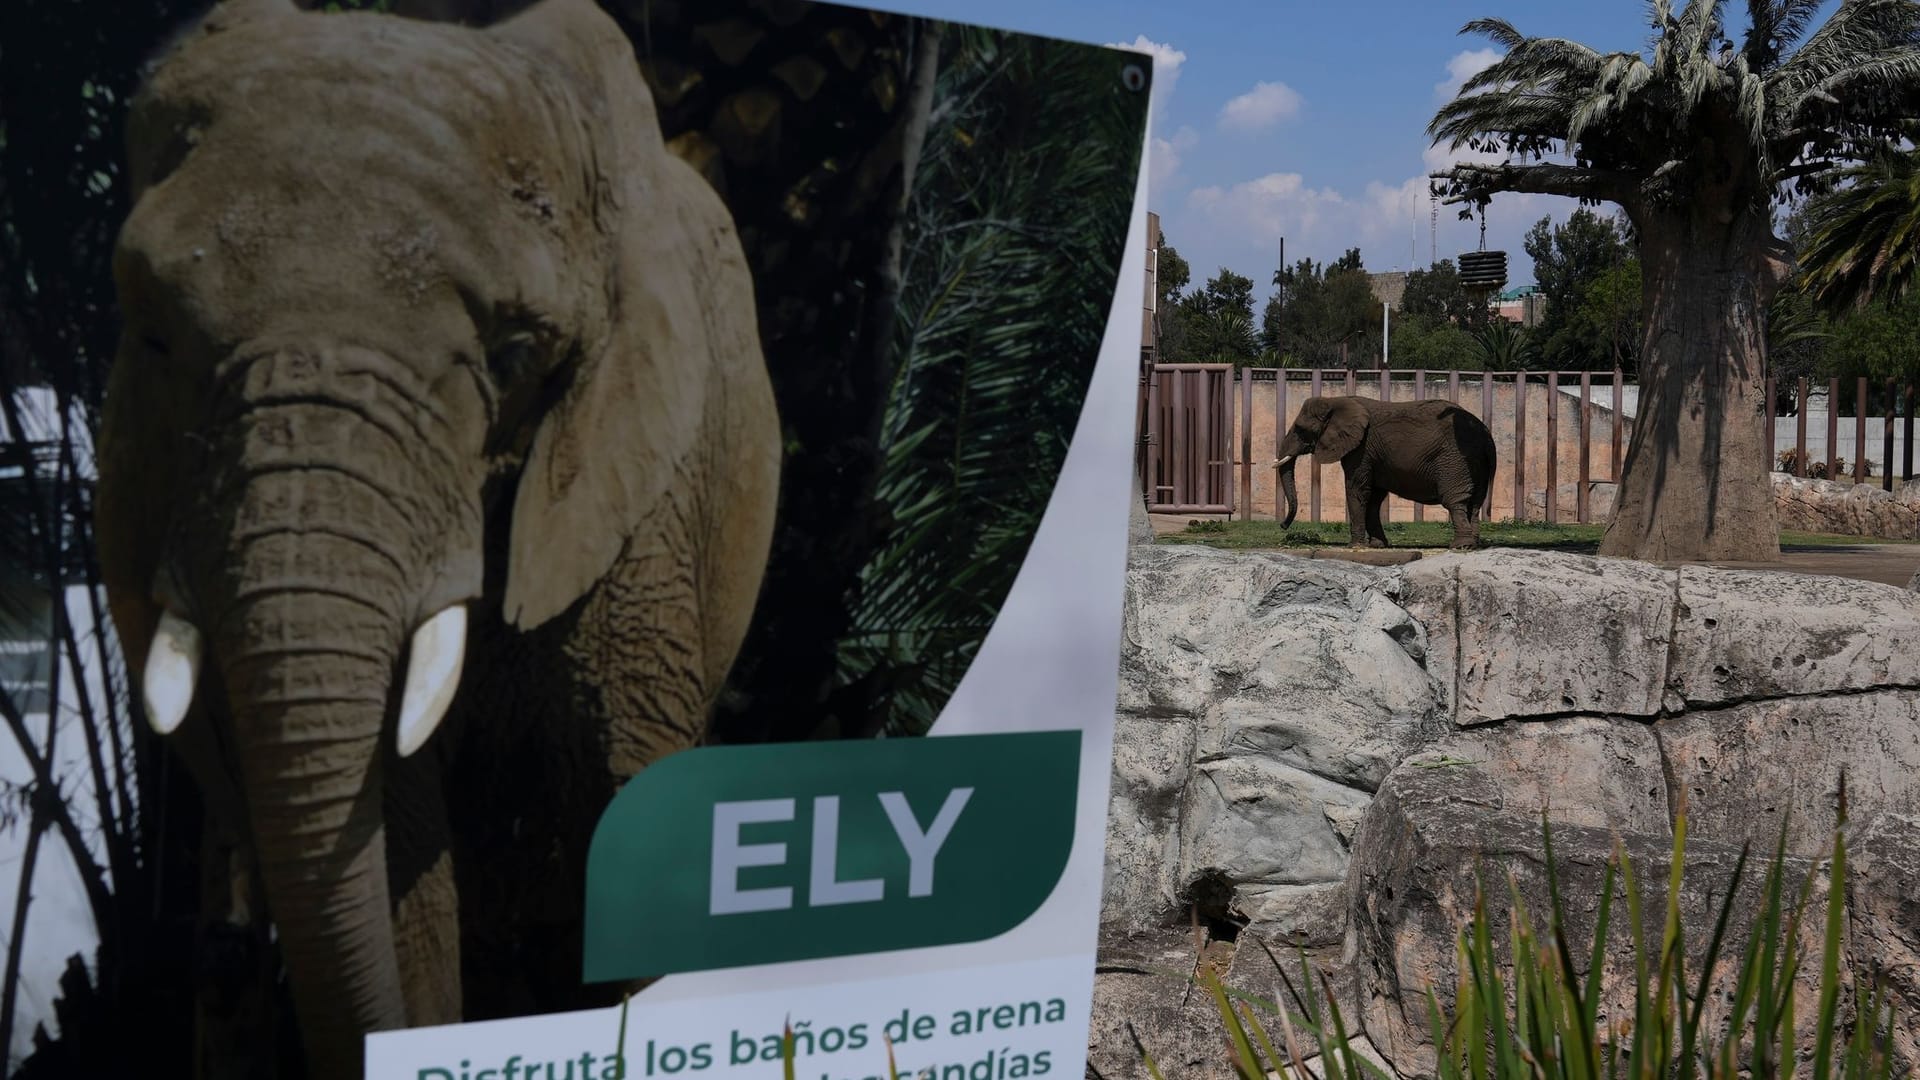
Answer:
(1287, 489)
(307, 676)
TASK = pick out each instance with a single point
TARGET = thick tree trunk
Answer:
(1695, 485)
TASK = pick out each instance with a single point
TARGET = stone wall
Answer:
(1317, 753)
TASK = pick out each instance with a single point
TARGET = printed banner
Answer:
(621, 509)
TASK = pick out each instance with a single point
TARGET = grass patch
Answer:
(1436, 535)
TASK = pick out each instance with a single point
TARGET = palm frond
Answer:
(1018, 223)
(1864, 237)
(1858, 30)
(1498, 31)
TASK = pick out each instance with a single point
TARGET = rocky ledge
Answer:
(1318, 753)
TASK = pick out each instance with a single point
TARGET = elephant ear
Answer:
(1346, 426)
(631, 430)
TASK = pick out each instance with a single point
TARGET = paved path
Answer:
(1889, 564)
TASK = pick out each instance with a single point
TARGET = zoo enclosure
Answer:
(1560, 435)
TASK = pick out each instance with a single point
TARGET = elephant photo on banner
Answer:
(507, 396)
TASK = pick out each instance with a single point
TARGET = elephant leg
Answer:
(426, 899)
(1466, 531)
(1376, 531)
(1359, 498)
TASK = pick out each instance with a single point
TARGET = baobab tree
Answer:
(1697, 140)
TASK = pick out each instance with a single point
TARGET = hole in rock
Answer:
(1210, 898)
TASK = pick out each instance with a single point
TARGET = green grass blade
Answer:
(1830, 945)
(1596, 964)
(1690, 1030)
(1243, 1059)
(1642, 1021)
(1582, 1063)
(1153, 1070)
(1264, 1044)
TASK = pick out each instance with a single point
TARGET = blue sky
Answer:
(1306, 120)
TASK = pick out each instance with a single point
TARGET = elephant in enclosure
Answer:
(438, 476)
(1432, 452)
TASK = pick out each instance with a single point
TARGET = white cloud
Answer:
(1163, 157)
(1393, 225)
(1461, 67)
(1266, 104)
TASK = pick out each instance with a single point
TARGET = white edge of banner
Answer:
(1050, 661)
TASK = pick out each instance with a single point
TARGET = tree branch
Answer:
(92, 878)
(1569, 180)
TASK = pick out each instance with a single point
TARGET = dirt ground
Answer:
(1889, 564)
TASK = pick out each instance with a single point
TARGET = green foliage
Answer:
(1172, 275)
(1217, 322)
(1537, 1016)
(1605, 328)
(1592, 297)
(1425, 342)
(1435, 294)
(1879, 342)
(1318, 307)
(1863, 239)
(1017, 226)
(1508, 346)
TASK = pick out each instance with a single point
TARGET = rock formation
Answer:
(1314, 752)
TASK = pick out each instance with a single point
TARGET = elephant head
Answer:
(380, 277)
(1329, 428)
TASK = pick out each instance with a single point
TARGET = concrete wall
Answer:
(1332, 489)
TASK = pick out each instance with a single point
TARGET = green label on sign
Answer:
(727, 856)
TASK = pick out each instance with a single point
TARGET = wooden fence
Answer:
(1560, 435)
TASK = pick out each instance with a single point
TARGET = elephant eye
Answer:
(514, 357)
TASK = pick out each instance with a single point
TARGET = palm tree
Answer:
(1695, 142)
(1507, 346)
(1864, 237)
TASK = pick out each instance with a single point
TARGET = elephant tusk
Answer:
(1282, 461)
(433, 672)
(173, 667)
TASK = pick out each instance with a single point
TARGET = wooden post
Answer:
(1886, 442)
(1486, 415)
(1343, 356)
(1246, 440)
(1203, 381)
(1800, 429)
(1833, 429)
(1580, 498)
(1182, 458)
(1453, 386)
(1419, 394)
(1619, 421)
(1385, 385)
(1279, 433)
(1552, 492)
(1906, 451)
(1156, 435)
(1520, 445)
(1860, 432)
(1314, 483)
(1773, 427)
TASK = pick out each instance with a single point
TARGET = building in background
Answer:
(1523, 304)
